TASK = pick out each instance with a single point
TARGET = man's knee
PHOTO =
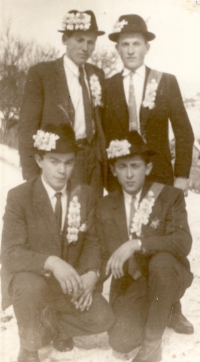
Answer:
(28, 284)
(162, 265)
(101, 314)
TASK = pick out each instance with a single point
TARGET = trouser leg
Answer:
(130, 310)
(29, 293)
(72, 322)
(168, 280)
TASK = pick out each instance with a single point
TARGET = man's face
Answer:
(80, 46)
(131, 173)
(132, 49)
(56, 168)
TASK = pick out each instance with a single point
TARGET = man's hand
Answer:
(65, 274)
(120, 256)
(182, 183)
(89, 280)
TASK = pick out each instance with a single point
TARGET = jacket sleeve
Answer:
(90, 258)
(30, 120)
(182, 129)
(15, 254)
(177, 238)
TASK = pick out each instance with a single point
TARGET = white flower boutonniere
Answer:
(150, 94)
(155, 223)
(141, 216)
(118, 148)
(119, 26)
(45, 141)
(96, 90)
(74, 220)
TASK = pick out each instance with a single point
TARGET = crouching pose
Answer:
(145, 241)
(50, 252)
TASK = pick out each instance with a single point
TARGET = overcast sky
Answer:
(176, 24)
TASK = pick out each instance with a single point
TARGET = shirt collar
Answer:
(128, 197)
(51, 192)
(139, 71)
(71, 65)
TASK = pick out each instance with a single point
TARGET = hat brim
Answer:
(115, 36)
(97, 32)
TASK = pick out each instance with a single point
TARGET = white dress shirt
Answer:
(138, 82)
(127, 202)
(51, 193)
(75, 90)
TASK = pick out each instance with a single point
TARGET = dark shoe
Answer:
(149, 353)
(27, 356)
(180, 324)
(63, 345)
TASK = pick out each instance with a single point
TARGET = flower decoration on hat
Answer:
(96, 90)
(118, 148)
(119, 26)
(78, 21)
(74, 220)
(45, 141)
(150, 94)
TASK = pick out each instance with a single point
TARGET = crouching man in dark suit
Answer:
(50, 252)
(145, 241)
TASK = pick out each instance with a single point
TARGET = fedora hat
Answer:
(80, 21)
(55, 138)
(130, 24)
(132, 145)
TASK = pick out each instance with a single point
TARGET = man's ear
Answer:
(113, 170)
(149, 168)
(38, 160)
(148, 47)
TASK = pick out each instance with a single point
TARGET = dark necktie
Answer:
(58, 209)
(87, 106)
(133, 123)
(133, 268)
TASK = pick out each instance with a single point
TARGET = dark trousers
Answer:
(88, 169)
(142, 307)
(31, 293)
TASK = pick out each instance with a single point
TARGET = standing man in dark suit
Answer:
(143, 99)
(51, 256)
(145, 240)
(71, 89)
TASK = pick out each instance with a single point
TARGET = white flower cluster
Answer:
(45, 141)
(118, 148)
(95, 90)
(77, 21)
(74, 220)
(150, 94)
(141, 216)
(119, 26)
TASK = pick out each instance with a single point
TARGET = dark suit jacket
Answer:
(45, 92)
(30, 233)
(154, 125)
(171, 235)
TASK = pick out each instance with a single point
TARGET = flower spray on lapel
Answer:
(74, 220)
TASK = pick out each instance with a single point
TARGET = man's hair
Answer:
(145, 157)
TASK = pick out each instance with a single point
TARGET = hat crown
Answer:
(131, 23)
(76, 20)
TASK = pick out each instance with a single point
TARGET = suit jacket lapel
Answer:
(65, 104)
(144, 111)
(121, 108)
(120, 216)
(44, 207)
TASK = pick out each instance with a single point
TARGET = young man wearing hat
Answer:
(68, 90)
(51, 256)
(143, 99)
(145, 240)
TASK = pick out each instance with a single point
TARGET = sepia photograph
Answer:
(100, 180)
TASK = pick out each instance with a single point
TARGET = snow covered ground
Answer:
(176, 348)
